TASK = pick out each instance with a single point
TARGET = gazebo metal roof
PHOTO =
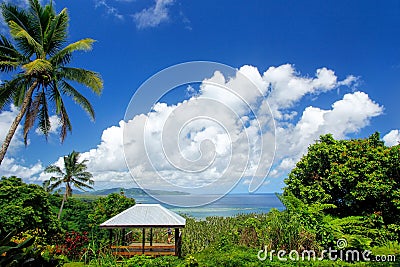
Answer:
(145, 215)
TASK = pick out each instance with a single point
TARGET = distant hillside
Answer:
(130, 192)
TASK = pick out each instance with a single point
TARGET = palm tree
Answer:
(74, 174)
(38, 63)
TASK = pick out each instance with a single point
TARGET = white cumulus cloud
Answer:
(10, 167)
(6, 119)
(225, 131)
(159, 143)
(348, 115)
(392, 138)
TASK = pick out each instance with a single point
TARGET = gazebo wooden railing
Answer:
(137, 249)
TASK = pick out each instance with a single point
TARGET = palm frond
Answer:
(43, 116)
(20, 90)
(63, 56)
(80, 168)
(60, 111)
(58, 183)
(78, 98)
(6, 47)
(81, 185)
(20, 33)
(31, 114)
(84, 176)
(46, 185)
(23, 19)
(54, 169)
(14, 13)
(55, 178)
(8, 65)
(9, 91)
(88, 78)
(56, 33)
(38, 66)
(65, 123)
(37, 20)
(6, 94)
(10, 58)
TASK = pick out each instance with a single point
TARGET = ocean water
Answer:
(229, 205)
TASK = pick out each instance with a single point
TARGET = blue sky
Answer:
(354, 43)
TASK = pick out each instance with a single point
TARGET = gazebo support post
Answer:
(110, 235)
(123, 237)
(177, 242)
(143, 239)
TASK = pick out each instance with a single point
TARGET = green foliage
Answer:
(103, 209)
(96, 257)
(138, 261)
(359, 177)
(389, 248)
(166, 261)
(304, 226)
(191, 261)
(289, 229)
(76, 211)
(244, 256)
(109, 206)
(217, 231)
(26, 207)
(232, 257)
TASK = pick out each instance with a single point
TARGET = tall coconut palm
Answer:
(36, 57)
(74, 174)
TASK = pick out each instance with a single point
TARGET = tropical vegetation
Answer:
(357, 177)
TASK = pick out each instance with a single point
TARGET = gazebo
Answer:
(146, 216)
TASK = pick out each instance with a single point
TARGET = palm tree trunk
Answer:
(16, 121)
(62, 205)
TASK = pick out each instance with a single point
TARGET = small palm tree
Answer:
(37, 56)
(74, 174)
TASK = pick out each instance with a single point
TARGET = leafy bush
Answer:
(359, 177)
(26, 207)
